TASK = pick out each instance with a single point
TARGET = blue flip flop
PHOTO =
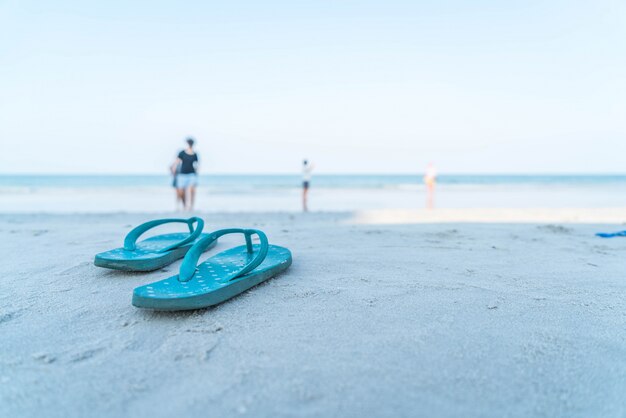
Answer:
(155, 252)
(611, 234)
(219, 278)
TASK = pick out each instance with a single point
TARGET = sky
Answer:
(355, 86)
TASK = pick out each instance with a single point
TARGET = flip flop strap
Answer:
(190, 262)
(130, 242)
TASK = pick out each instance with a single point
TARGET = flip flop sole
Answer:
(146, 256)
(206, 288)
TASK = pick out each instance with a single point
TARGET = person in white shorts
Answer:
(186, 164)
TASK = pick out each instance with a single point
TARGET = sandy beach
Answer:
(387, 314)
(439, 172)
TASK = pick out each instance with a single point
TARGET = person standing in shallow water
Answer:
(430, 178)
(185, 170)
(175, 169)
(307, 168)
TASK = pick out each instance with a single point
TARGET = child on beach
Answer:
(175, 170)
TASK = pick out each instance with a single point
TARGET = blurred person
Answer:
(307, 168)
(180, 197)
(430, 179)
(186, 178)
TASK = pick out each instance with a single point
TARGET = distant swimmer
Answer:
(307, 168)
(185, 169)
(430, 178)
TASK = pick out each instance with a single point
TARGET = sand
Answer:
(511, 317)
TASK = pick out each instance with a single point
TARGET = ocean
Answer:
(243, 193)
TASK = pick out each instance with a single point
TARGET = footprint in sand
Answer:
(85, 355)
(73, 269)
(446, 234)
(8, 316)
(555, 229)
(45, 358)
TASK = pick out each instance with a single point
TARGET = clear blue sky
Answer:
(356, 86)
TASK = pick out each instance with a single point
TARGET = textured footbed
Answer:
(211, 283)
(146, 255)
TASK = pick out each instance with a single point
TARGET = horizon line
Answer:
(295, 173)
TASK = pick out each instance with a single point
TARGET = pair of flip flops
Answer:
(209, 283)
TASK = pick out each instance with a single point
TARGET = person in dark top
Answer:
(185, 169)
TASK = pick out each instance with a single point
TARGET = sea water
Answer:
(244, 193)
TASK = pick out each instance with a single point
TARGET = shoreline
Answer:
(395, 216)
(330, 195)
